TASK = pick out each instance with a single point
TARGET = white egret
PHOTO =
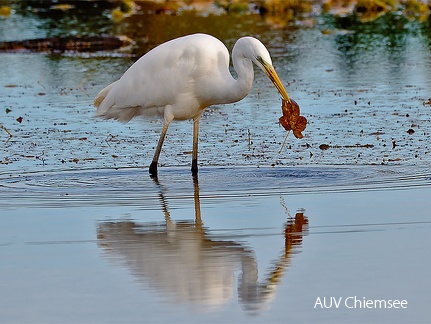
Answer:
(180, 78)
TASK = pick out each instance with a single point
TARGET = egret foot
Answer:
(194, 167)
(153, 169)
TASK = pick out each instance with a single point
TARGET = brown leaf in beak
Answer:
(291, 119)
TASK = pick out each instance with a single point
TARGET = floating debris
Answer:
(62, 7)
(411, 131)
(69, 43)
(327, 146)
(6, 130)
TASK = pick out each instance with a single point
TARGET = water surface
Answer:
(121, 247)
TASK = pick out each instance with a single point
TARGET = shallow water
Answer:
(121, 247)
(87, 236)
(361, 92)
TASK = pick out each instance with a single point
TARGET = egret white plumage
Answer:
(180, 78)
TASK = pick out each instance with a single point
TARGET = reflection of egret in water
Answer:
(180, 259)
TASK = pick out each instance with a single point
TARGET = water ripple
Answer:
(128, 185)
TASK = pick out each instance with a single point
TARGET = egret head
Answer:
(257, 52)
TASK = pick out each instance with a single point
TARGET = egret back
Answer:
(182, 76)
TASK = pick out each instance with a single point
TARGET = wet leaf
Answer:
(291, 119)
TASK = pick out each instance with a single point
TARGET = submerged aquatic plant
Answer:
(5, 11)
(416, 10)
(369, 10)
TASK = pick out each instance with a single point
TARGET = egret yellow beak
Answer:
(272, 75)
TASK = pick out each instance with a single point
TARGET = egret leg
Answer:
(195, 146)
(198, 219)
(153, 165)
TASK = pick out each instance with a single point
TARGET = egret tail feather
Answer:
(102, 94)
